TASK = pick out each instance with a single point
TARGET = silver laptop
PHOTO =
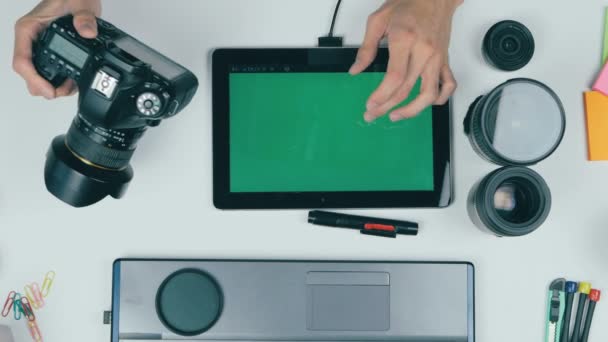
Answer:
(240, 300)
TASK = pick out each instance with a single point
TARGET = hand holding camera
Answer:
(125, 87)
(32, 24)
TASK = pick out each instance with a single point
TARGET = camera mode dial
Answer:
(149, 104)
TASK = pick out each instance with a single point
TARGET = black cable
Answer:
(330, 40)
(333, 21)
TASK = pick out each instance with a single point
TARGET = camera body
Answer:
(124, 88)
(122, 82)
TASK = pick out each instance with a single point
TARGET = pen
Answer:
(594, 297)
(584, 289)
(366, 225)
(570, 291)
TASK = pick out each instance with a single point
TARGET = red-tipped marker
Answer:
(594, 298)
(595, 295)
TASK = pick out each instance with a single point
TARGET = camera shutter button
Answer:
(149, 104)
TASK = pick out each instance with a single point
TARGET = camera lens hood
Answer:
(72, 180)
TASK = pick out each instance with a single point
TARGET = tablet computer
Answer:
(288, 132)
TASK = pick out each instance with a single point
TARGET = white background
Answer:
(168, 210)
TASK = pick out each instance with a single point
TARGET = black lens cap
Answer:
(508, 45)
(189, 302)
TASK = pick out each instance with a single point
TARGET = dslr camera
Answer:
(124, 88)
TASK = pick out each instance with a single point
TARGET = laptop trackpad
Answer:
(348, 301)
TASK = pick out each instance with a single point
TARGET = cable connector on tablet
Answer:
(330, 40)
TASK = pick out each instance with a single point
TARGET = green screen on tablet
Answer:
(304, 132)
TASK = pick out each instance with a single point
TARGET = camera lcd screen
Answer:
(160, 64)
(299, 132)
(69, 51)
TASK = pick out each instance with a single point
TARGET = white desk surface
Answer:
(168, 210)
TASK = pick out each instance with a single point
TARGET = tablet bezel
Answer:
(329, 60)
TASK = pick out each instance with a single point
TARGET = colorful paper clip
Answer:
(36, 299)
(27, 309)
(34, 331)
(8, 305)
(33, 293)
(47, 283)
(17, 309)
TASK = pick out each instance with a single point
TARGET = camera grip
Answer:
(48, 73)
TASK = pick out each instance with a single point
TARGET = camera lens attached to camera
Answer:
(519, 123)
(508, 45)
(89, 163)
(78, 183)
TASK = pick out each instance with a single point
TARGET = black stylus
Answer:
(583, 289)
(366, 225)
(570, 289)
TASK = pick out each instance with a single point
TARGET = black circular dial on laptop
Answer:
(189, 302)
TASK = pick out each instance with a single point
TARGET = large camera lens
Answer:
(521, 122)
(90, 163)
(512, 201)
(508, 45)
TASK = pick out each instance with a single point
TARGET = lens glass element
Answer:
(516, 200)
(522, 121)
(510, 45)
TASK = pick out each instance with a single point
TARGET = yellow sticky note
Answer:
(596, 106)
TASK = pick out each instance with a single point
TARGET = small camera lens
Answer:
(508, 45)
(512, 201)
(520, 122)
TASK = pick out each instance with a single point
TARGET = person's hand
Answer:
(418, 33)
(32, 24)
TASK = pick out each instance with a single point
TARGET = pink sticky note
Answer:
(601, 84)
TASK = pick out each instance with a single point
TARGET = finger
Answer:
(399, 55)
(66, 89)
(429, 91)
(376, 28)
(85, 23)
(26, 31)
(420, 56)
(399, 96)
(448, 85)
